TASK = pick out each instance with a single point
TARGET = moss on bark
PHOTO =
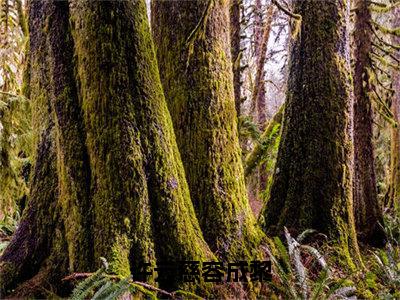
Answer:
(193, 51)
(312, 186)
(367, 209)
(108, 179)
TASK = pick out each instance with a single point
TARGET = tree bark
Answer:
(236, 52)
(108, 179)
(259, 95)
(312, 186)
(367, 210)
(394, 193)
(259, 91)
(196, 72)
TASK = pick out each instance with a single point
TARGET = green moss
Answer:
(134, 158)
(313, 180)
(108, 174)
(199, 94)
(119, 263)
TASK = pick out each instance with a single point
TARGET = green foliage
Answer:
(248, 129)
(8, 225)
(102, 285)
(15, 151)
(388, 259)
(392, 227)
(294, 278)
(266, 146)
(15, 128)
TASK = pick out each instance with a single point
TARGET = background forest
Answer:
(208, 130)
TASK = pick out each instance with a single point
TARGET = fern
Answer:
(111, 290)
(101, 285)
(248, 129)
(293, 277)
(86, 287)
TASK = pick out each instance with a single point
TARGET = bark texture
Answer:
(193, 51)
(312, 186)
(259, 93)
(235, 20)
(108, 179)
(394, 194)
(367, 210)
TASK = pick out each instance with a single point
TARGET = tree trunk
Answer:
(259, 92)
(367, 210)
(257, 27)
(312, 185)
(235, 51)
(394, 195)
(108, 180)
(259, 96)
(196, 71)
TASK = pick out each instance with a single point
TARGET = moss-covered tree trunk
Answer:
(394, 195)
(108, 180)
(193, 51)
(312, 186)
(367, 210)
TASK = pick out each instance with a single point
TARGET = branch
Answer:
(387, 52)
(385, 30)
(286, 11)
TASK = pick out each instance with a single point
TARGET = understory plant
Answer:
(387, 266)
(300, 271)
(105, 286)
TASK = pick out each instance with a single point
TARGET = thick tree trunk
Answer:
(312, 185)
(367, 210)
(31, 249)
(196, 72)
(235, 51)
(108, 180)
(394, 195)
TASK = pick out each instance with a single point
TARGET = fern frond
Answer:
(86, 287)
(114, 291)
(294, 254)
(302, 236)
(343, 292)
(318, 256)
(320, 284)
